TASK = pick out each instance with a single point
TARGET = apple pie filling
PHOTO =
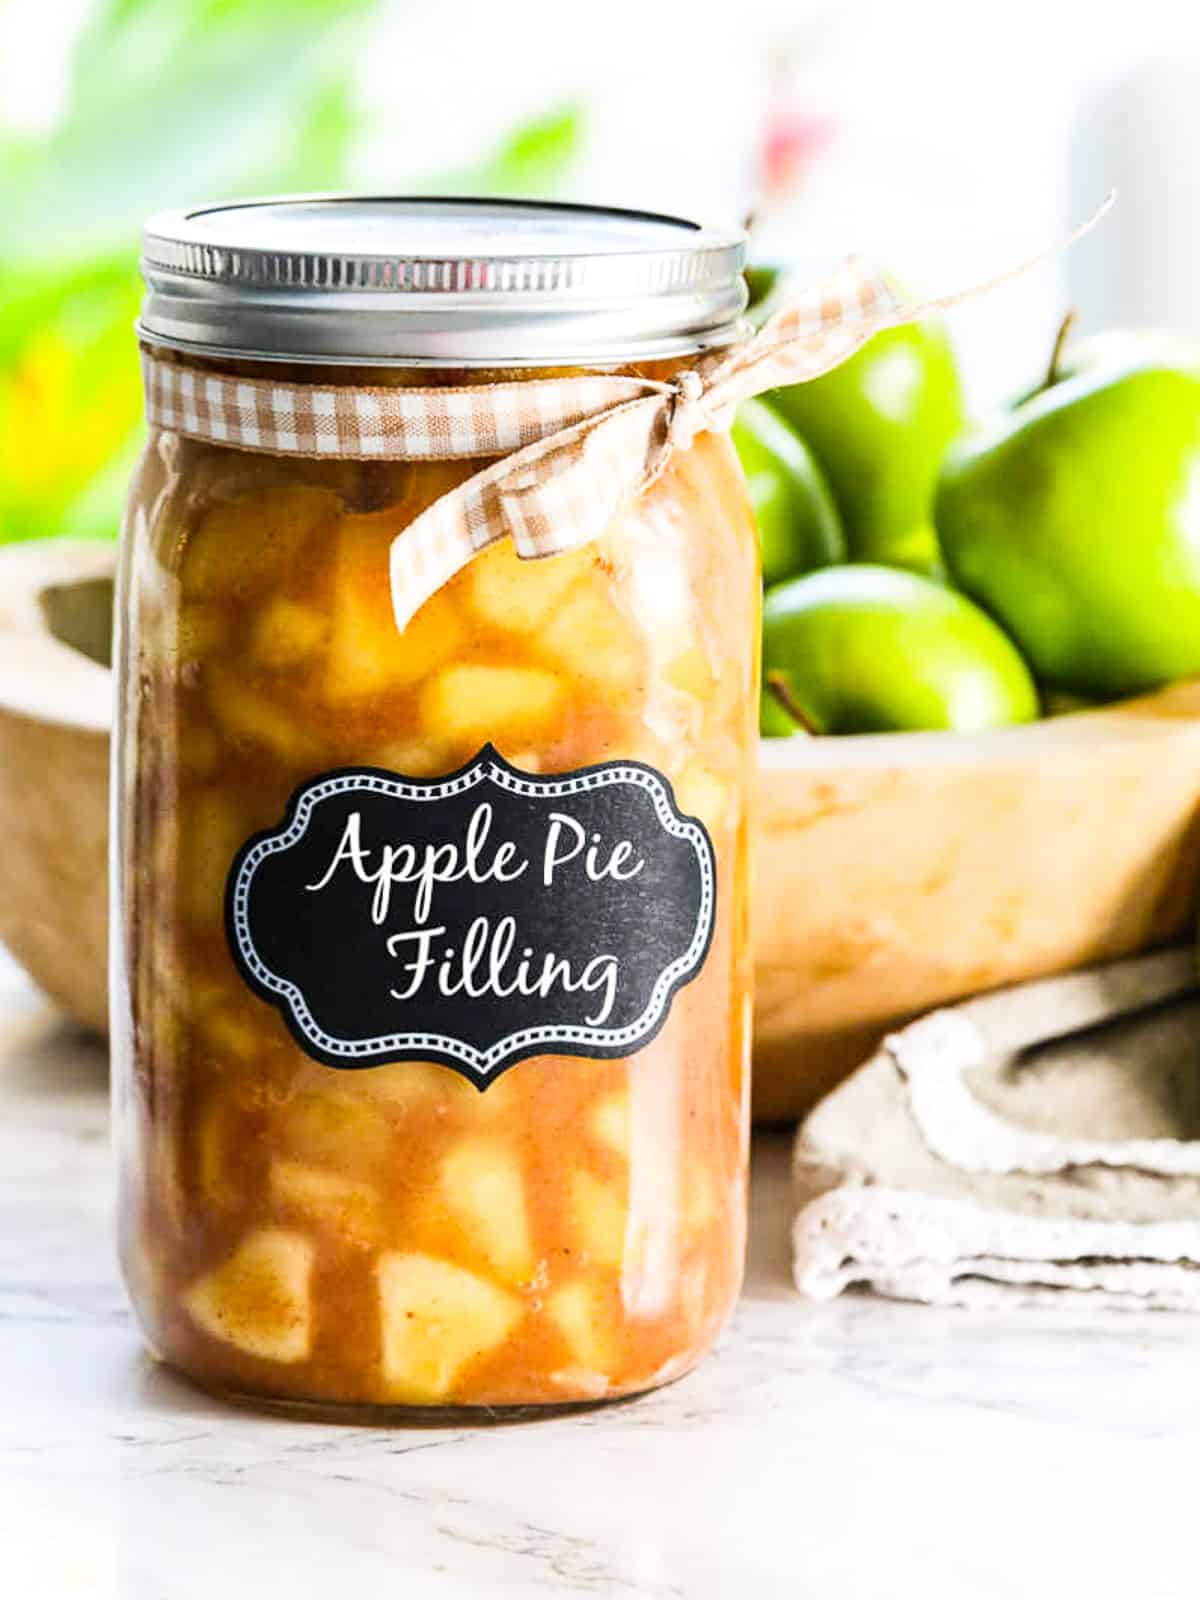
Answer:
(393, 1235)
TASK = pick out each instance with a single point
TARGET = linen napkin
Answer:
(1036, 1145)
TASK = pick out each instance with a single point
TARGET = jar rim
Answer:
(438, 281)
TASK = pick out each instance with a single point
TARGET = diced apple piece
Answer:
(246, 714)
(699, 1196)
(435, 1319)
(245, 545)
(232, 1036)
(577, 1312)
(350, 1208)
(610, 1122)
(287, 634)
(526, 761)
(507, 592)
(334, 1129)
(700, 793)
(471, 705)
(417, 1085)
(691, 673)
(483, 1186)
(413, 758)
(368, 654)
(422, 1087)
(258, 1300)
(600, 1217)
(593, 643)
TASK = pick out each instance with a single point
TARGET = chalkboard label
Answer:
(475, 919)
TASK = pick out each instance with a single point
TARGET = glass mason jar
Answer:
(413, 1232)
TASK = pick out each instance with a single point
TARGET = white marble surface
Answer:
(847, 1452)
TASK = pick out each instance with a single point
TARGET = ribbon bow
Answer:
(609, 438)
(571, 452)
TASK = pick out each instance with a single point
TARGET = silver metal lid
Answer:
(381, 280)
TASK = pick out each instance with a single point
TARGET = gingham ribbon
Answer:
(573, 452)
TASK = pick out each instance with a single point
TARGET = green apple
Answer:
(798, 527)
(1075, 520)
(1117, 350)
(879, 425)
(1062, 703)
(868, 649)
(775, 720)
(761, 282)
(1122, 350)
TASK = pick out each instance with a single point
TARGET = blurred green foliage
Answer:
(170, 101)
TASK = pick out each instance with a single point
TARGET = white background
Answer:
(965, 136)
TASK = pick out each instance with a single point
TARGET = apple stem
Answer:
(780, 690)
(1054, 370)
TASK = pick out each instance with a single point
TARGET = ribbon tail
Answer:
(826, 325)
(946, 302)
(547, 498)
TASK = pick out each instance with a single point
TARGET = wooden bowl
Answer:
(896, 872)
(893, 873)
(56, 599)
